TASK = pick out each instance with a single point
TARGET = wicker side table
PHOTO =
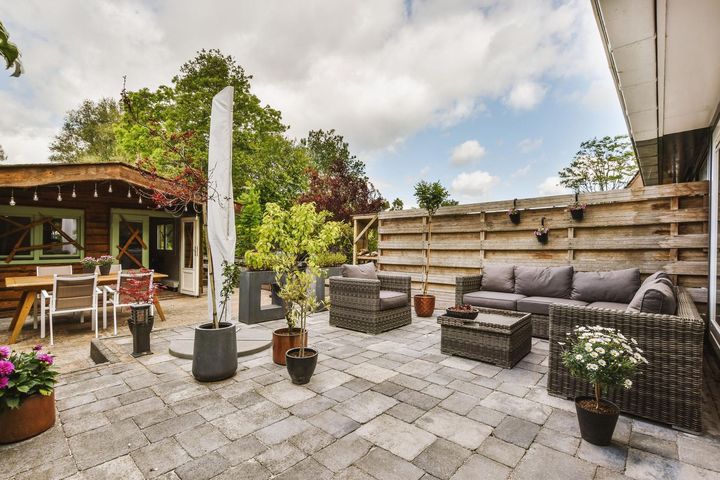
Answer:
(496, 336)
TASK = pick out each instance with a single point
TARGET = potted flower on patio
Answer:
(27, 399)
(430, 196)
(105, 262)
(606, 359)
(89, 264)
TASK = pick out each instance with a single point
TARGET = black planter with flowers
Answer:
(542, 233)
(577, 209)
(514, 214)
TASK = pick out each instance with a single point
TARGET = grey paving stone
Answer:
(613, 456)
(400, 438)
(517, 431)
(437, 391)
(517, 407)
(201, 440)
(365, 406)
(75, 401)
(384, 465)
(191, 404)
(460, 363)
(486, 415)
(112, 391)
(334, 423)
(648, 466)
(418, 368)
(339, 394)
(417, 399)
(607, 474)
(280, 431)
(311, 440)
(250, 419)
(654, 445)
(519, 376)
(153, 417)
(343, 453)
(242, 449)
(136, 396)
(279, 458)
(442, 458)
(359, 385)
(406, 412)
(84, 424)
(544, 462)
(123, 467)
(352, 473)
(388, 388)
(312, 406)
(469, 388)
(699, 452)
(285, 394)
(481, 467)
(56, 470)
(410, 382)
(327, 380)
(371, 372)
(439, 379)
(654, 430)
(512, 389)
(558, 440)
(204, 467)
(173, 426)
(501, 451)
(564, 422)
(249, 469)
(135, 409)
(306, 470)
(87, 386)
(106, 443)
(158, 458)
(46, 447)
(451, 426)
(460, 403)
(216, 410)
(88, 409)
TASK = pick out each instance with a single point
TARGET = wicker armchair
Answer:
(669, 389)
(355, 303)
(471, 283)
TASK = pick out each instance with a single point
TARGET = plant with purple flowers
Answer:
(24, 374)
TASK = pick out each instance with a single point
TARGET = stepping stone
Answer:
(249, 341)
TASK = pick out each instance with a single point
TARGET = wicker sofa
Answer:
(370, 305)
(669, 388)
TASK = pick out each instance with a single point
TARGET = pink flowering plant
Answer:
(541, 230)
(105, 260)
(603, 357)
(23, 374)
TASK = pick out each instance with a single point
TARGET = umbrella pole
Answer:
(211, 275)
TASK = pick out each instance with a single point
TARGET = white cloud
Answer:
(525, 95)
(527, 145)
(377, 71)
(467, 152)
(473, 186)
(522, 171)
(551, 186)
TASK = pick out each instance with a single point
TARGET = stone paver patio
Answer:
(386, 407)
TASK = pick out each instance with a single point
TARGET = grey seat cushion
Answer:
(498, 278)
(656, 296)
(553, 282)
(617, 286)
(541, 305)
(501, 300)
(366, 271)
(390, 299)
(609, 305)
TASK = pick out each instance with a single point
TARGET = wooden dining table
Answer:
(30, 286)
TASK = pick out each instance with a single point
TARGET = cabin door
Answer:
(190, 256)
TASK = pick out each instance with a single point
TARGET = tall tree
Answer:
(87, 134)
(10, 53)
(325, 147)
(3, 155)
(601, 164)
(396, 205)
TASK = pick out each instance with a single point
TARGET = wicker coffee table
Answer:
(495, 336)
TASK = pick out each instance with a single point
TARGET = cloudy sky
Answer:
(491, 98)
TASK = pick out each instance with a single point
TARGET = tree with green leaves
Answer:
(10, 53)
(396, 205)
(249, 220)
(601, 164)
(430, 196)
(327, 147)
(3, 155)
(87, 134)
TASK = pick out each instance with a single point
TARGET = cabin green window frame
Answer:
(37, 257)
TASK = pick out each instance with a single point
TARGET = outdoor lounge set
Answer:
(659, 315)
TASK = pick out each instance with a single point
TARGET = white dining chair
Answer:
(117, 300)
(45, 271)
(71, 293)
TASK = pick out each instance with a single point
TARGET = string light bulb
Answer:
(129, 195)
(139, 199)
(74, 195)
(59, 197)
(95, 194)
(12, 197)
(110, 188)
(35, 196)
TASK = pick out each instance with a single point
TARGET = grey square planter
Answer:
(319, 285)
(250, 309)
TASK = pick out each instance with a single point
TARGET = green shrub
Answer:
(258, 261)
(330, 259)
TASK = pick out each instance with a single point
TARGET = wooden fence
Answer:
(652, 228)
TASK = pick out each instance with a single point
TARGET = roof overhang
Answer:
(662, 58)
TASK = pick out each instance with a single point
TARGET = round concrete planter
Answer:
(214, 352)
(35, 415)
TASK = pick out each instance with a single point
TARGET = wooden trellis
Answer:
(135, 236)
(25, 229)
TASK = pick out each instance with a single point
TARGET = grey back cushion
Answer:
(498, 278)
(366, 271)
(656, 296)
(617, 286)
(553, 282)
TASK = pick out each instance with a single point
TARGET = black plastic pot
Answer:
(214, 352)
(577, 213)
(542, 238)
(140, 325)
(595, 427)
(300, 368)
(515, 218)
(104, 269)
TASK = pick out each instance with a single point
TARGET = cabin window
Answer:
(166, 236)
(40, 235)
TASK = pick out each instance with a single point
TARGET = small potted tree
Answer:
(142, 294)
(27, 399)
(430, 196)
(606, 359)
(329, 264)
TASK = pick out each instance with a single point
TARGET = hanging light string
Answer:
(74, 195)
(12, 197)
(95, 194)
(35, 196)
(59, 197)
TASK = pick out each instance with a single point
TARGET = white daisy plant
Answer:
(603, 357)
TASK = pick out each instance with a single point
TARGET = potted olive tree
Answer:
(606, 359)
(27, 400)
(293, 239)
(430, 196)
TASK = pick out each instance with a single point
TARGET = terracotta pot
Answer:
(35, 415)
(597, 427)
(283, 340)
(424, 305)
